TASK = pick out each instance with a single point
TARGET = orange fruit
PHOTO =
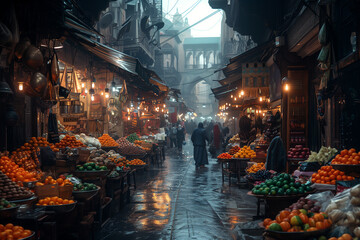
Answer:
(9, 226)
(346, 236)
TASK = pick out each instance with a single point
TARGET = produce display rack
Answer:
(274, 204)
(234, 167)
(294, 235)
(350, 170)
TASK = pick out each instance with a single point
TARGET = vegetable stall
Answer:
(72, 186)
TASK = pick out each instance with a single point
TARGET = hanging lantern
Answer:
(92, 97)
(107, 93)
(21, 86)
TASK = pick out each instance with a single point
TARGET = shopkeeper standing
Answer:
(245, 128)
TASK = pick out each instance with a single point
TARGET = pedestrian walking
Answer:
(173, 132)
(199, 138)
(180, 137)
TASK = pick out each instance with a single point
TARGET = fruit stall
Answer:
(72, 187)
(318, 198)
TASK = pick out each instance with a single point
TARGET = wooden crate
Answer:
(50, 190)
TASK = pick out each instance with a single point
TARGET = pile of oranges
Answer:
(61, 181)
(256, 167)
(52, 201)
(26, 159)
(136, 162)
(328, 175)
(16, 173)
(234, 150)
(298, 221)
(345, 236)
(225, 156)
(348, 157)
(34, 144)
(9, 231)
(107, 141)
(69, 141)
(245, 152)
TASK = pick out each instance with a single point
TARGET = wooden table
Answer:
(234, 167)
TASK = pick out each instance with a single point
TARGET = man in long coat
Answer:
(199, 138)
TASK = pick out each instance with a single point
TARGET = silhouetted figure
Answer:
(199, 139)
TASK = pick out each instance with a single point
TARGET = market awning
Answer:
(225, 90)
(156, 80)
(113, 56)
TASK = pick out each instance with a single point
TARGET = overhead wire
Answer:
(185, 29)
(189, 10)
(177, 1)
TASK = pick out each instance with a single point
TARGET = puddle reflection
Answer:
(156, 206)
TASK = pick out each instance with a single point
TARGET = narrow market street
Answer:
(176, 201)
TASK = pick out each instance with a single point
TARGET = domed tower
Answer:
(178, 20)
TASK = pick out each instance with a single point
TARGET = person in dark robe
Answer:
(180, 137)
(245, 128)
(217, 136)
(199, 138)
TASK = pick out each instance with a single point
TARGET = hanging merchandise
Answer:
(323, 34)
(54, 69)
(63, 92)
(33, 57)
(38, 83)
(123, 92)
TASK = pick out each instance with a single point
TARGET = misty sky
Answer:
(210, 27)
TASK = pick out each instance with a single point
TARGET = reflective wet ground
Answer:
(176, 201)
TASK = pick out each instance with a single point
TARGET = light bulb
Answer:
(92, 85)
(106, 95)
(82, 85)
(235, 99)
(287, 87)
(86, 91)
(261, 99)
(102, 93)
(21, 86)
(129, 118)
(231, 96)
(242, 93)
(113, 89)
(92, 98)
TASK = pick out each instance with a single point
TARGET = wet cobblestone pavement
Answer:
(176, 201)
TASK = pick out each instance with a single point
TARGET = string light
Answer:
(232, 96)
(92, 97)
(93, 85)
(86, 91)
(242, 93)
(261, 99)
(102, 93)
(235, 99)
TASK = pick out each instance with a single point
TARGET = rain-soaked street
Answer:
(176, 201)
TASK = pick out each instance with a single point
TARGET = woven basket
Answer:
(50, 190)
(65, 192)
